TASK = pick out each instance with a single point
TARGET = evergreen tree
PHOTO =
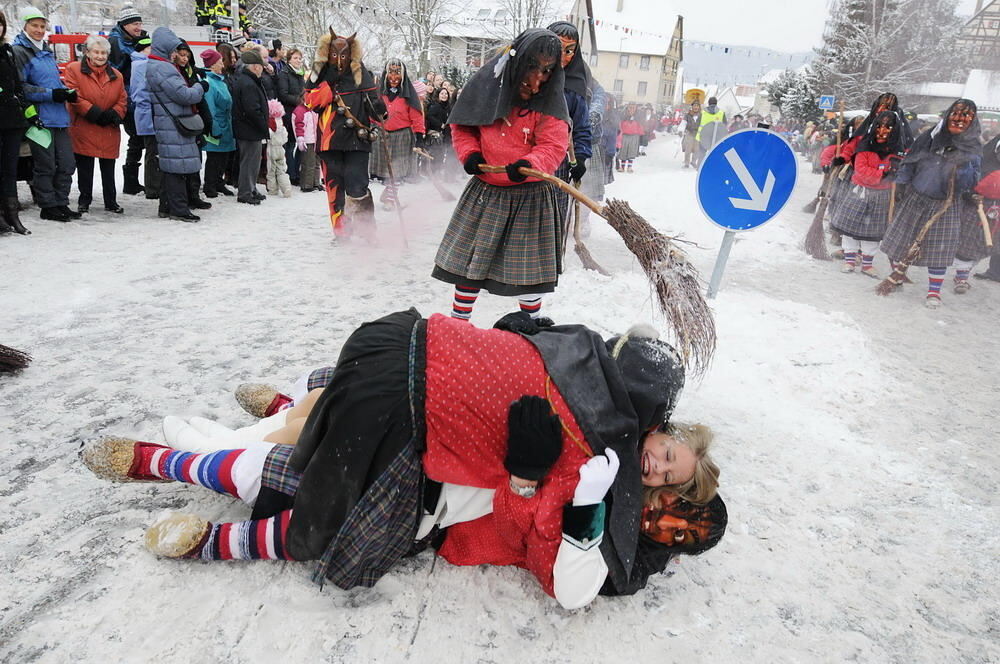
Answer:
(793, 93)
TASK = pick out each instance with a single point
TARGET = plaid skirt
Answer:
(940, 243)
(863, 213)
(401, 144)
(972, 243)
(630, 147)
(593, 180)
(837, 186)
(503, 239)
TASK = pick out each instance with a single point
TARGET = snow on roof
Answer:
(634, 29)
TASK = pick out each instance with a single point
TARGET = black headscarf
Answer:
(577, 73)
(491, 93)
(405, 89)
(955, 148)
(892, 104)
(892, 146)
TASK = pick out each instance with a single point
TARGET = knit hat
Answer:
(274, 108)
(128, 14)
(29, 13)
(210, 57)
(653, 373)
(251, 58)
(143, 42)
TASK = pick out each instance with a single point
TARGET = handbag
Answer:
(187, 125)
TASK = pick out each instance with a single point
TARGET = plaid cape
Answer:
(863, 213)
(401, 144)
(940, 243)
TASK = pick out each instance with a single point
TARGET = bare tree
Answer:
(524, 14)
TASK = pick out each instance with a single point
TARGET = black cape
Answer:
(954, 148)
(405, 89)
(577, 72)
(491, 93)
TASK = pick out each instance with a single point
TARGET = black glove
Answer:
(839, 161)
(204, 84)
(419, 140)
(513, 173)
(109, 117)
(576, 172)
(472, 163)
(62, 95)
(534, 438)
(94, 114)
(521, 322)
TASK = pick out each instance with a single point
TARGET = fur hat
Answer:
(128, 14)
(323, 55)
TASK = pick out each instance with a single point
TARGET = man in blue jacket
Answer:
(124, 39)
(54, 164)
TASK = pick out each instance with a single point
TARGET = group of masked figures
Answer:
(531, 444)
(932, 200)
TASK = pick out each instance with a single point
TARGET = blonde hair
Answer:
(702, 486)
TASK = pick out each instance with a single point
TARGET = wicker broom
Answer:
(898, 275)
(672, 278)
(815, 240)
(12, 360)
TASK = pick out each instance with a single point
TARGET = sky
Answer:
(785, 25)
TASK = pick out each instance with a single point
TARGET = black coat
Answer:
(249, 108)
(361, 99)
(437, 116)
(290, 86)
(270, 83)
(11, 113)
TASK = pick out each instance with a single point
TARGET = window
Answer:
(644, 63)
(619, 85)
(623, 61)
(593, 59)
(484, 13)
(641, 90)
(500, 15)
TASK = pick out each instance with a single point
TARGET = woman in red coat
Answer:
(95, 116)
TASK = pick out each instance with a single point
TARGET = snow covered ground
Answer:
(854, 433)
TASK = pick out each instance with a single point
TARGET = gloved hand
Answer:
(596, 477)
(419, 140)
(839, 161)
(204, 84)
(472, 163)
(63, 95)
(513, 173)
(109, 117)
(521, 322)
(534, 438)
(94, 114)
(576, 172)
(300, 143)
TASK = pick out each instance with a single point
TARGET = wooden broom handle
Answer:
(565, 186)
(987, 234)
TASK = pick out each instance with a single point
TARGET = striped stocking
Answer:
(260, 539)
(233, 472)
(465, 300)
(935, 277)
(530, 304)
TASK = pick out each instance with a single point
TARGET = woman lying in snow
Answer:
(528, 449)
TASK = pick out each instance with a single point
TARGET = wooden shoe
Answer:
(259, 399)
(932, 302)
(962, 286)
(178, 536)
(114, 458)
(870, 272)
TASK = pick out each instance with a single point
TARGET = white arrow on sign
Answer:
(758, 199)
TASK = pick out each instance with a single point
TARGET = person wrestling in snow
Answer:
(509, 449)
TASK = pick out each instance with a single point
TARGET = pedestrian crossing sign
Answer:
(826, 102)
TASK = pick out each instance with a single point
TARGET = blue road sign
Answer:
(826, 102)
(746, 179)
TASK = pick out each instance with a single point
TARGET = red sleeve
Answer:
(299, 125)
(868, 169)
(416, 120)
(81, 105)
(989, 186)
(319, 97)
(121, 106)
(848, 148)
(465, 140)
(826, 157)
(551, 143)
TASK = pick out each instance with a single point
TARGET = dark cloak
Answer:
(491, 93)
(577, 73)
(954, 148)
(907, 133)
(405, 89)
(613, 410)
(991, 156)
(892, 146)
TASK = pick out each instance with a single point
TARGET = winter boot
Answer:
(4, 226)
(260, 400)
(131, 185)
(118, 459)
(361, 214)
(178, 536)
(10, 214)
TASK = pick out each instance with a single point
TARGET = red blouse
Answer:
(402, 116)
(539, 138)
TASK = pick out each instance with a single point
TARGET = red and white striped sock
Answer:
(935, 277)
(530, 304)
(465, 300)
(257, 539)
(850, 259)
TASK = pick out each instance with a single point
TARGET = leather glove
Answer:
(839, 161)
(534, 438)
(521, 322)
(94, 114)
(62, 95)
(300, 143)
(472, 163)
(596, 477)
(204, 85)
(576, 172)
(513, 173)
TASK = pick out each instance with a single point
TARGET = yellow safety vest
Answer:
(709, 118)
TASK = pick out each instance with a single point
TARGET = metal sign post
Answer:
(744, 181)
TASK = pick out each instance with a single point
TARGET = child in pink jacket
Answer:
(304, 125)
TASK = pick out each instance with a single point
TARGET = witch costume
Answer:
(504, 235)
(972, 245)
(404, 129)
(409, 437)
(939, 170)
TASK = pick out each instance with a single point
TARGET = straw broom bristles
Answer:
(12, 360)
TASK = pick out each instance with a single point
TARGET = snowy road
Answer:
(856, 436)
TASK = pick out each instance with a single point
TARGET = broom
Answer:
(815, 240)
(673, 279)
(12, 360)
(578, 246)
(898, 275)
(445, 194)
(987, 234)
